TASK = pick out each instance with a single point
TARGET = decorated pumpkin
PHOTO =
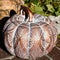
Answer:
(29, 35)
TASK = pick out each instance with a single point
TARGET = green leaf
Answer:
(44, 7)
(34, 1)
(48, 1)
(58, 36)
(59, 8)
(50, 8)
(32, 7)
(38, 9)
(57, 13)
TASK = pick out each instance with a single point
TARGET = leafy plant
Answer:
(44, 7)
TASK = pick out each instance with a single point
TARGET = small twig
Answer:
(58, 48)
(58, 45)
(10, 57)
(49, 57)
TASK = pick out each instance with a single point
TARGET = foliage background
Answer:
(44, 7)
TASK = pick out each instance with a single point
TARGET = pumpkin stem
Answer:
(27, 12)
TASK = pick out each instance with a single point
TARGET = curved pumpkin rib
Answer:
(43, 38)
(21, 44)
(52, 38)
(40, 25)
(6, 27)
(8, 23)
(50, 32)
(13, 33)
(10, 27)
(18, 41)
(9, 45)
(54, 34)
(6, 39)
(9, 31)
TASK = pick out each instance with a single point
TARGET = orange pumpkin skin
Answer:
(29, 39)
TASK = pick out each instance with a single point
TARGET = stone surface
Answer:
(7, 5)
(56, 19)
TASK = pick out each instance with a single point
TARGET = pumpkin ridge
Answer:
(50, 32)
(43, 36)
(29, 41)
(6, 39)
(40, 45)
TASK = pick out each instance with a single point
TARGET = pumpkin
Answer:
(29, 35)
